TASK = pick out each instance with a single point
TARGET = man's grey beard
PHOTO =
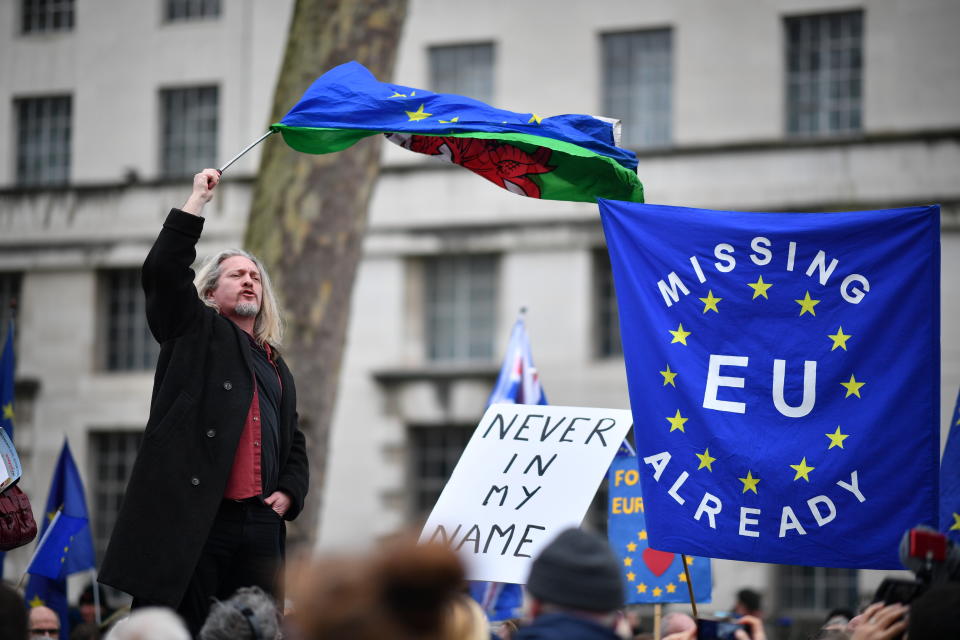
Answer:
(247, 309)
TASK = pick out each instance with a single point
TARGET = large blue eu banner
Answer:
(784, 377)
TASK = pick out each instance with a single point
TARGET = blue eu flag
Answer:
(784, 378)
(950, 479)
(65, 545)
(7, 367)
(518, 383)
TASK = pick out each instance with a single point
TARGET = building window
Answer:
(434, 452)
(460, 295)
(9, 291)
(189, 130)
(638, 83)
(42, 16)
(816, 589)
(824, 73)
(466, 70)
(112, 454)
(127, 341)
(607, 321)
(175, 10)
(43, 140)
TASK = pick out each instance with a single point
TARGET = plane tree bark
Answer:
(309, 214)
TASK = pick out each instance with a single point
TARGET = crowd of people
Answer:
(406, 591)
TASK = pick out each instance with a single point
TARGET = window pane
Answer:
(824, 73)
(607, 320)
(43, 140)
(39, 16)
(191, 9)
(9, 290)
(460, 307)
(816, 588)
(463, 69)
(128, 343)
(112, 454)
(434, 452)
(189, 130)
(638, 85)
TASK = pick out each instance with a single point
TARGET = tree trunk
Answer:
(309, 214)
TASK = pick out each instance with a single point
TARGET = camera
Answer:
(719, 629)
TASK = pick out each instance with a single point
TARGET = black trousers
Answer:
(244, 549)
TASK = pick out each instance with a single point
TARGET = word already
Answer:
(821, 507)
(540, 427)
(853, 288)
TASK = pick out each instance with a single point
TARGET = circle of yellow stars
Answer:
(839, 340)
(642, 587)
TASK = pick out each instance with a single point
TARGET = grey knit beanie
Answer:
(577, 570)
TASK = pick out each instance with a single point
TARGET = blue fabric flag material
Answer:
(517, 383)
(7, 368)
(65, 545)
(950, 479)
(566, 157)
(648, 575)
(784, 375)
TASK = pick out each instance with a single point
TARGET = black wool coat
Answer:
(202, 392)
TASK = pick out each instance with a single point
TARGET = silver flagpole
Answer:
(248, 147)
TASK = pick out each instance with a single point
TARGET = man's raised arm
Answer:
(203, 185)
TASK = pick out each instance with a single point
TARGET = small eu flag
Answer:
(65, 544)
(518, 383)
(784, 375)
(566, 157)
(950, 479)
(648, 575)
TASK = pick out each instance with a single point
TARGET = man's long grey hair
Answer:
(249, 614)
(268, 326)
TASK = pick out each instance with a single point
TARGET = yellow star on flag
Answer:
(36, 602)
(679, 335)
(853, 387)
(807, 304)
(8, 411)
(671, 588)
(642, 535)
(705, 460)
(839, 339)
(676, 422)
(760, 288)
(631, 576)
(631, 546)
(657, 592)
(628, 562)
(682, 577)
(689, 560)
(749, 483)
(669, 377)
(419, 114)
(802, 470)
(397, 94)
(451, 120)
(836, 438)
(641, 588)
(710, 302)
(956, 523)
(534, 118)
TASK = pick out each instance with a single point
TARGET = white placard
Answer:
(10, 469)
(528, 472)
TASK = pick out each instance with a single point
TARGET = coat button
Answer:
(195, 481)
(228, 385)
(211, 433)
(256, 443)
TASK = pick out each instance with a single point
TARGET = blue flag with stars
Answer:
(649, 575)
(784, 376)
(7, 368)
(517, 383)
(65, 544)
(950, 479)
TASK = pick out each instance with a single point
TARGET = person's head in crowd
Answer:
(748, 603)
(504, 629)
(936, 614)
(44, 623)
(150, 623)
(404, 591)
(465, 620)
(85, 631)
(87, 604)
(249, 614)
(677, 621)
(13, 613)
(577, 575)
